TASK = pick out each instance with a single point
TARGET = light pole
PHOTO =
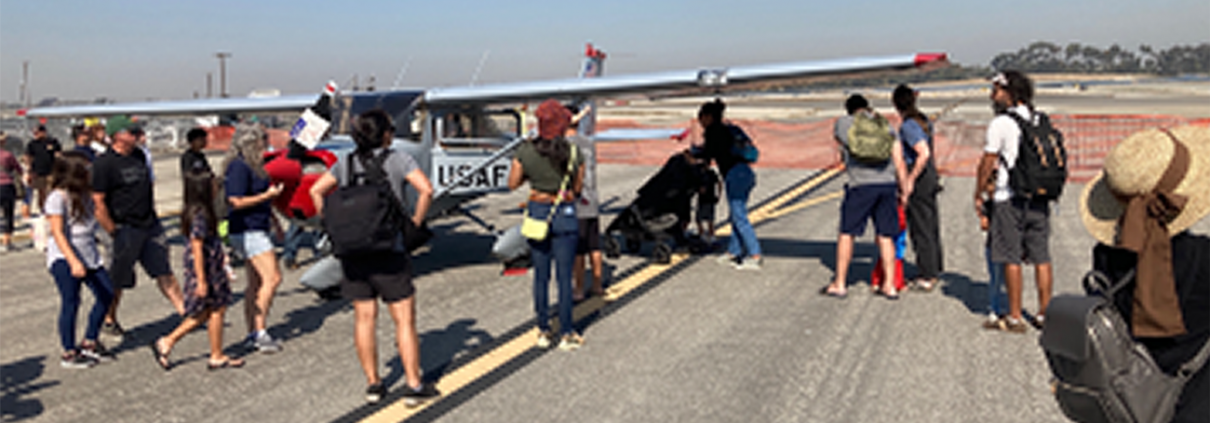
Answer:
(24, 84)
(222, 72)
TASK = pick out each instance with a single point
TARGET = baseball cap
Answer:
(117, 124)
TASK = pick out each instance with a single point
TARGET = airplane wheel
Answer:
(633, 245)
(662, 254)
(611, 247)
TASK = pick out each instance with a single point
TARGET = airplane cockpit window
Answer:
(477, 127)
(399, 104)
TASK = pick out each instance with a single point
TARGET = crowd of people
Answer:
(904, 184)
(98, 197)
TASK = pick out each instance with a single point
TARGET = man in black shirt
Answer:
(125, 209)
(40, 158)
(193, 158)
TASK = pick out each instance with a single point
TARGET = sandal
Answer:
(828, 292)
(924, 285)
(161, 357)
(228, 363)
(890, 295)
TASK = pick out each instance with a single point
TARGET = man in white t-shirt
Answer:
(1020, 227)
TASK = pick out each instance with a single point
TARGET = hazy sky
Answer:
(136, 49)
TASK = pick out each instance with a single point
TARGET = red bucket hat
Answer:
(553, 119)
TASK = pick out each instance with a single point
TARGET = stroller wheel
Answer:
(611, 247)
(662, 253)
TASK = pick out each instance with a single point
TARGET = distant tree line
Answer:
(1047, 57)
(1043, 56)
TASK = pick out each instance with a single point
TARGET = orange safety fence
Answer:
(810, 145)
(959, 144)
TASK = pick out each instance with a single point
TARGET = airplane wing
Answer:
(184, 107)
(686, 82)
(626, 134)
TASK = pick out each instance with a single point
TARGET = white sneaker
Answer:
(545, 338)
(571, 342)
(749, 263)
(725, 259)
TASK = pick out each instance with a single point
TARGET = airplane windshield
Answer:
(399, 104)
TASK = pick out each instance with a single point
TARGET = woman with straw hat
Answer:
(1155, 186)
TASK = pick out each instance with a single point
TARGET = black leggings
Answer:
(8, 201)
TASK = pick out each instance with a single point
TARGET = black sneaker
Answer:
(114, 332)
(375, 392)
(414, 397)
(75, 360)
(98, 352)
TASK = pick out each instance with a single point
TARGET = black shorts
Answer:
(590, 235)
(146, 246)
(865, 202)
(387, 276)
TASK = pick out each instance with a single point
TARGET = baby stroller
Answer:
(660, 213)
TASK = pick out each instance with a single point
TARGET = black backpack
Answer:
(1100, 373)
(363, 216)
(1041, 168)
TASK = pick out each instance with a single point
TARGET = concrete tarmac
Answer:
(699, 342)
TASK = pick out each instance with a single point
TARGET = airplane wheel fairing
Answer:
(662, 254)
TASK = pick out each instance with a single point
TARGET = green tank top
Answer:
(541, 173)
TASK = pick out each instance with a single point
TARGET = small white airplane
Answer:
(463, 137)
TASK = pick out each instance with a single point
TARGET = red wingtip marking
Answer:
(928, 58)
(681, 136)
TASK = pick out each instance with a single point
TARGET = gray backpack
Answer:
(1100, 373)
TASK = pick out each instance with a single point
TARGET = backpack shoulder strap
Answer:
(1098, 283)
(924, 125)
(1194, 364)
(372, 169)
(1021, 122)
(349, 174)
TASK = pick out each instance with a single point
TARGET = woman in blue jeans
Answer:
(555, 174)
(73, 260)
(743, 250)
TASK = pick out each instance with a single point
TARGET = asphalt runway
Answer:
(692, 342)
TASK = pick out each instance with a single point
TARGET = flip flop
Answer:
(892, 297)
(922, 285)
(229, 363)
(161, 358)
(838, 295)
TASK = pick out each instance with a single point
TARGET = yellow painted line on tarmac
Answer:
(481, 366)
(795, 193)
(806, 203)
(771, 210)
(465, 375)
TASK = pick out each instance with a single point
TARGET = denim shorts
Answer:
(250, 244)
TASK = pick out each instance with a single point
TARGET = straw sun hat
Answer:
(1135, 167)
